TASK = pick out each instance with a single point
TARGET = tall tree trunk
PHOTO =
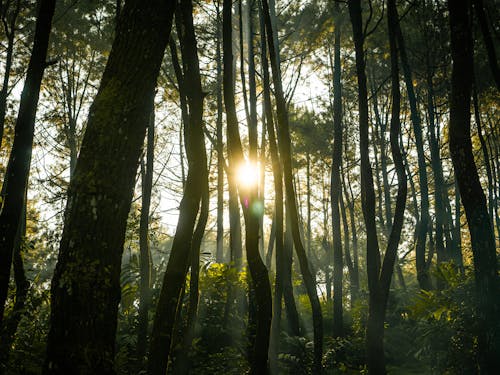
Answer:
(335, 188)
(219, 253)
(248, 198)
(422, 274)
(471, 192)
(440, 190)
(284, 144)
(145, 253)
(86, 284)
(278, 217)
(16, 176)
(184, 240)
(379, 295)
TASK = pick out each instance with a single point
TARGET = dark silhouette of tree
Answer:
(471, 192)
(16, 177)
(85, 288)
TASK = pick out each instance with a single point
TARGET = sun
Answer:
(248, 174)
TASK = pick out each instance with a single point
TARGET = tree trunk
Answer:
(277, 226)
(219, 253)
(9, 328)
(86, 283)
(486, 157)
(16, 176)
(335, 188)
(248, 198)
(422, 271)
(184, 240)
(284, 144)
(379, 295)
(145, 254)
(471, 192)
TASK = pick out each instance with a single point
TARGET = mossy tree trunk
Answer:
(85, 289)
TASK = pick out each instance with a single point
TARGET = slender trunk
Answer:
(16, 177)
(284, 144)
(145, 254)
(471, 192)
(335, 187)
(422, 271)
(277, 226)
(292, 314)
(219, 253)
(379, 296)
(354, 237)
(184, 241)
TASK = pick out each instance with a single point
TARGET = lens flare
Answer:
(248, 174)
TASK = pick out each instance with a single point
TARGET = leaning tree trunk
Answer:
(86, 284)
(284, 144)
(471, 192)
(173, 281)
(16, 176)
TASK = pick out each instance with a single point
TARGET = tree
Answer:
(85, 288)
(195, 191)
(335, 187)
(471, 192)
(291, 203)
(16, 176)
(249, 203)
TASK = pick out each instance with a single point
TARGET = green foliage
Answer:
(296, 355)
(444, 324)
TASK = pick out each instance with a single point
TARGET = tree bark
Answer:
(471, 192)
(85, 288)
(16, 177)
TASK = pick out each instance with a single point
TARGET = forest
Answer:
(253, 187)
